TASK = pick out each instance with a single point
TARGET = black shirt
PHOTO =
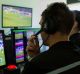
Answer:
(59, 55)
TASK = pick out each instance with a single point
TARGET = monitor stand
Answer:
(15, 27)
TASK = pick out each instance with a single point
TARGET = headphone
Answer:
(48, 26)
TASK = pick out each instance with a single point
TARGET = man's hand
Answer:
(33, 47)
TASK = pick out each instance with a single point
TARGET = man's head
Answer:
(76, 26)
(57, 18)
(77, 15)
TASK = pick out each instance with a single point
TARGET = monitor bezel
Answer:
(17, 7)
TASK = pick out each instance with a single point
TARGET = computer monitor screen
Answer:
(32, 31)
(18, 45)
(2, 52)
(15, 16)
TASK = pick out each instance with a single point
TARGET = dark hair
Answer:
(77, 14)
(58, 17)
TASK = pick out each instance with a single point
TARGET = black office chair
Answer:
(73, 68)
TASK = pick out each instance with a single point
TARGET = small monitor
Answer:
(32, 31)
(16, 16)
(18, 45)
(2, 49)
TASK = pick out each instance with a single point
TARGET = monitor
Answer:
(20, 38)
(2, 49)
(16, 16)
(18, 45)
(32, 31)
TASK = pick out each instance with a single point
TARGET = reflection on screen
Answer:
(2, 55)
(19, 47)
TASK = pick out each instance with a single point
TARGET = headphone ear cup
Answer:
(49, 26)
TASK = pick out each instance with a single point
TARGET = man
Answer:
(75, 37)
(56, 25)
